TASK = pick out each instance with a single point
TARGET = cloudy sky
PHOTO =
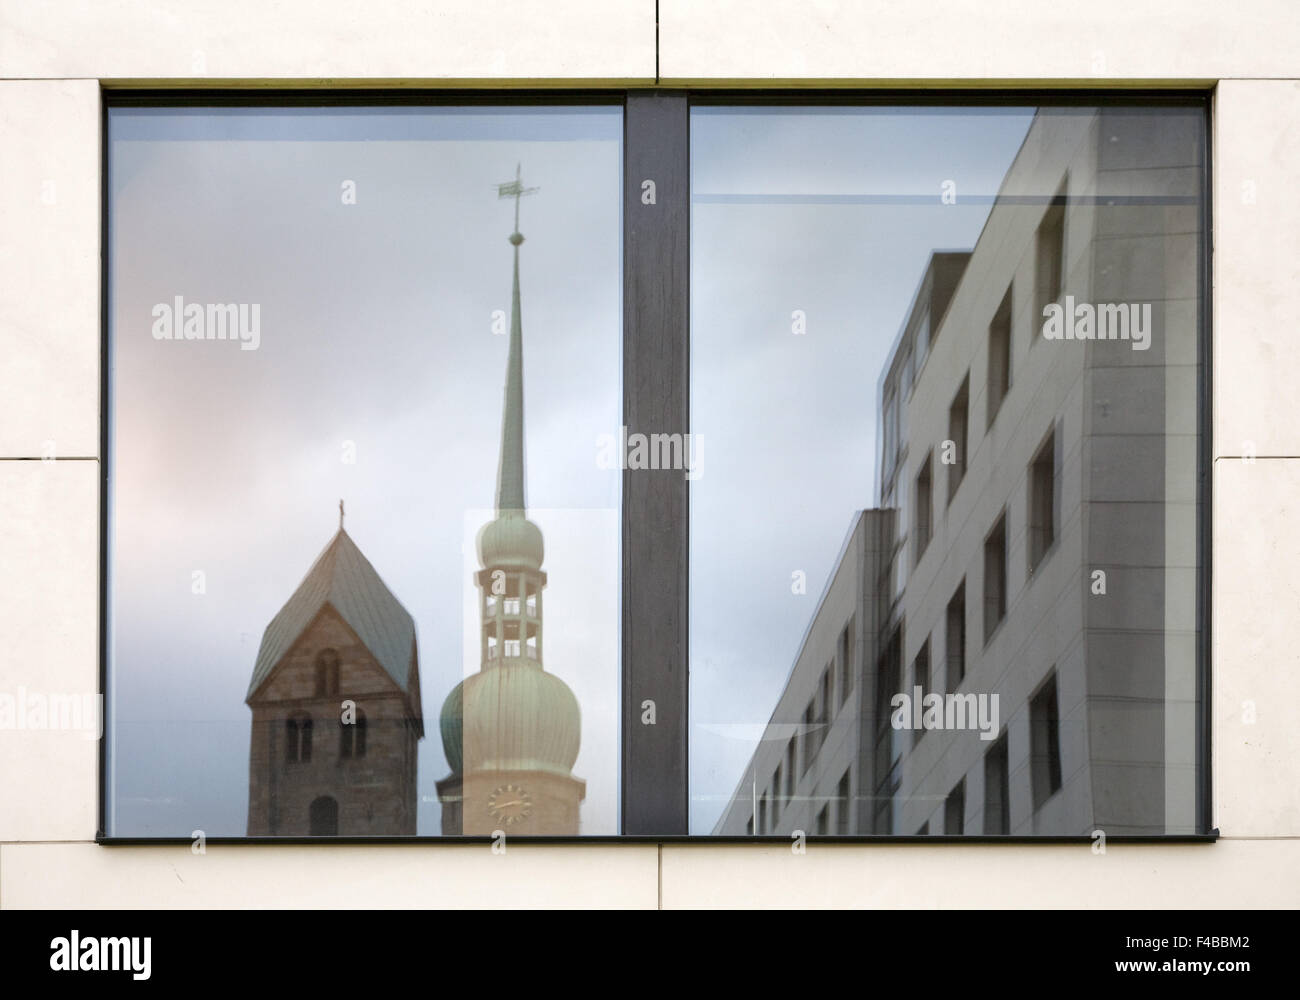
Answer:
(376, 336)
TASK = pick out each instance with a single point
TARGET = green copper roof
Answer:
(344, 579)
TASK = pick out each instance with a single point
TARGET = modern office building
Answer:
(1032, 558)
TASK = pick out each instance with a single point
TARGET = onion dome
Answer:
(510, 541)
(513, 717)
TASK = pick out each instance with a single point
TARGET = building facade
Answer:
(1030, 544)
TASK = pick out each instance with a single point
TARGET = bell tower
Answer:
(511, 731)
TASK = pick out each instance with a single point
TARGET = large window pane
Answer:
(341, 602)
(946, 362)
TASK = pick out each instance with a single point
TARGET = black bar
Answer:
(656, 360)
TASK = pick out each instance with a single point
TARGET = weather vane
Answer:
(515, 189)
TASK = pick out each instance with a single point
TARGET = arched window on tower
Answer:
(297, 738)
(327, 672)
(352, 737)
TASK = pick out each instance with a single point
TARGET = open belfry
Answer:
(511, 731)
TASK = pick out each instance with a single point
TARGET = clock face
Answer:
(510, 804)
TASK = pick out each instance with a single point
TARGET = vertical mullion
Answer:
(656, 214)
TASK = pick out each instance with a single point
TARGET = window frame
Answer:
(654, 773)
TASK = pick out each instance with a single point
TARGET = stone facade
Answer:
(347, 779)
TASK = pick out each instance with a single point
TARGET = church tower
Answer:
(511, 731)
(335, 695)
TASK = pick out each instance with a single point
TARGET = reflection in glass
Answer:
(377, 319)
(976, 451)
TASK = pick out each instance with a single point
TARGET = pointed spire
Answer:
(510, 472)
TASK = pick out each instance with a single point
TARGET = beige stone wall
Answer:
(53, 56)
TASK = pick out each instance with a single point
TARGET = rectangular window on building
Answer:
(955, 638)
(822, 825)
(923, 498)
(808, 737)
(997, 787)
(921, 678)
(778, 780)
(790, 751)
(844, 806)
(1049, 258)
(958, 433)
(954, 809)
(1042, 501)
(846, 658)
(1045, 742)
(825, 701)
(995, 577)
(999, 381)
(762, 814)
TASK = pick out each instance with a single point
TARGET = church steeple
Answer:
(511, 731)
(510, 472)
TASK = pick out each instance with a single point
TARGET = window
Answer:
(1042, 502)
(1045, 742)
(824, 701)
(1049, 257)
(924, 829)
(846, 661)
(921, 679)
(997, 782)
(995, 577)
(999, 357)
(352, 737)
(757, 534)
(810, 730)
(954, 809)
(955, 446)
(298, 739)
(923, 497)
(822, 825)
(327, 673)
(955, 638)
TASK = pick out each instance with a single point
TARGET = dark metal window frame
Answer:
(654, 780)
